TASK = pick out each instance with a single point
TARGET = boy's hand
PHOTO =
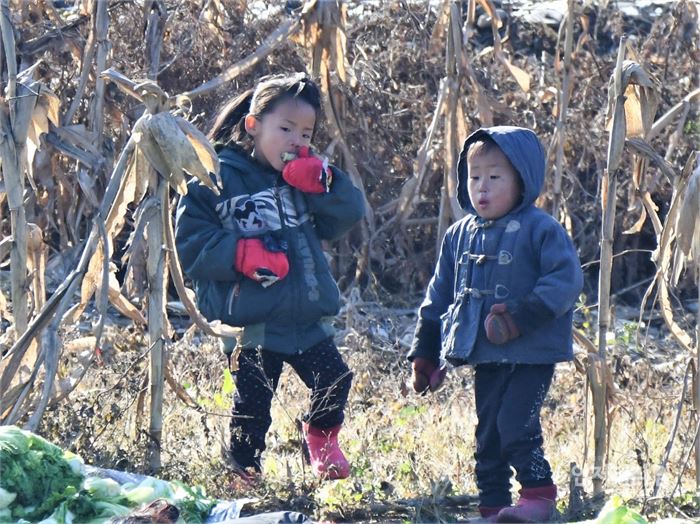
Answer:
(260, 264)
(308, 173)
(426, 375)
(500, 326)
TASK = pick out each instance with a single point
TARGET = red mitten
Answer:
(260, 264)
(500, 326)
(427, 375)
(308, 173)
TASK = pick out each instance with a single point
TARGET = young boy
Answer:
(501, 300)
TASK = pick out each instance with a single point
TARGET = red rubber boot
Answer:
(535, 505)
(327, 460)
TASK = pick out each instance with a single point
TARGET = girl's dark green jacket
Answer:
(294, 313)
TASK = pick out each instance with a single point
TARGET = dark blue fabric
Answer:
(294, 313)
(509, 399)
(322, 370)
(524, 259)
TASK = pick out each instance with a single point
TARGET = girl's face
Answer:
(285, 129)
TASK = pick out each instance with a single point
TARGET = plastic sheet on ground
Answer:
(225, 511)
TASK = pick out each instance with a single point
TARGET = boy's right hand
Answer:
(260, 264)
(426, 375)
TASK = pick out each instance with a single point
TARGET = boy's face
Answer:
(494, 186)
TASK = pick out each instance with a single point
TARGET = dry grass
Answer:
(409, 453)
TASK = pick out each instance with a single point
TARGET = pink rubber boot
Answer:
(327, 460)
(535, 505)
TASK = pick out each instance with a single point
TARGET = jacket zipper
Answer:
(233, 296)
(283, 224)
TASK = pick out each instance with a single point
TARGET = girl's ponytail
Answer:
(229, 126)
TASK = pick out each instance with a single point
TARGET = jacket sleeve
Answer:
(338, 210)
(560, 283)
(438, 297)
(206, 250)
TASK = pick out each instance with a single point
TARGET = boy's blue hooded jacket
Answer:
(294, 313)
(524, 259)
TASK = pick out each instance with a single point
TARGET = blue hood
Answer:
(523, 149)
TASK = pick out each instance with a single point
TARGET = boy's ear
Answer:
(251, 125)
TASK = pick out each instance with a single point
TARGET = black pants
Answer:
(509, 398)
(320, 367)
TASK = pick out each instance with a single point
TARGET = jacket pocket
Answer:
(449, 324)
(247, 302)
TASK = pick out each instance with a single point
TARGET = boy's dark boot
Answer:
(535, 505)
(327, 460)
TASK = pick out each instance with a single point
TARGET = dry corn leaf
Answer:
(340, 48)
(51, 103)
(134, 185)
(24, 105)
(652, 210)
(662, 258)
(637, 226)
(36, 263)
(89, 284)
(39, 124)
(165, 162)
(205, 152)
(4, 311)
(177, 151)
(633, 113)
(139, 171)
(688, 225)
(121, 303)
(641, 99)
(683, 338)
(79, 136)
(616, 140)
(645, 98)
(87, 186)
(521, 77)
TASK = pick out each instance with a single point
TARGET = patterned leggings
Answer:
(320, 367)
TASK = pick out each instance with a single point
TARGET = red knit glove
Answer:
(427, 375)
(258, 263)
(500, 326)
(308, 173)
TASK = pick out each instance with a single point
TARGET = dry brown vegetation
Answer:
(405, 81)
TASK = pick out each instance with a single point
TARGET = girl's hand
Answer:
(308, 173)
(260, 264)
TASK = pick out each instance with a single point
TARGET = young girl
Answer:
(255, 258)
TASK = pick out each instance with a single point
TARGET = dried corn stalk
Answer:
(324, 34)
(687, 230)
(24, 116)
(563, 95)
(632, 104)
